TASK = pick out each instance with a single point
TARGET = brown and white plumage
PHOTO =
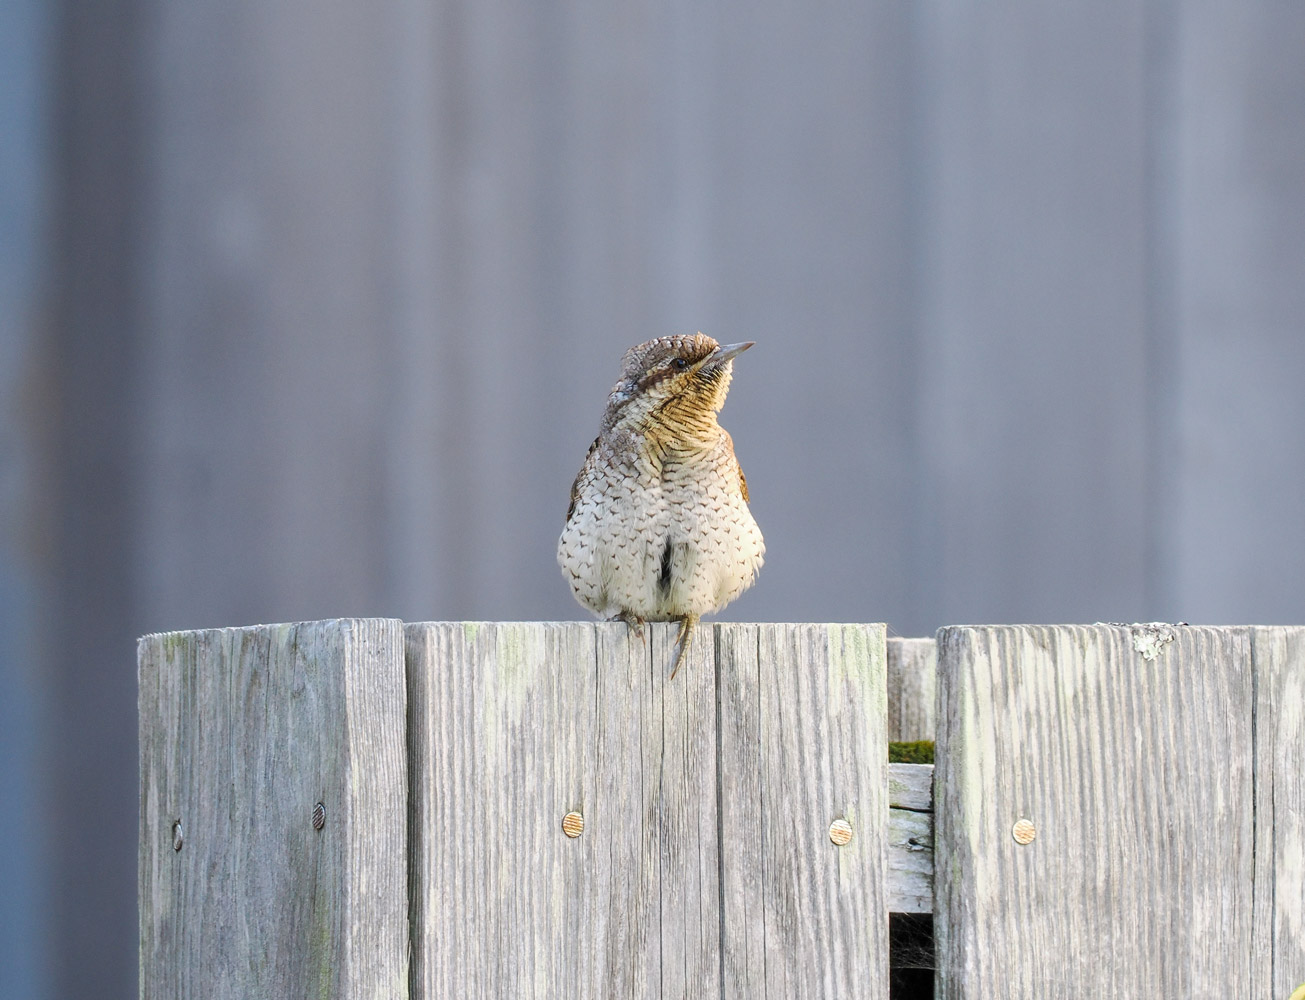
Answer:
(658, 527)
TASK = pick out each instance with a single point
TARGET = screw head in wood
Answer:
(840, 832)
(319, 816)
(573, 824)
(1023, 831)
(177, 838)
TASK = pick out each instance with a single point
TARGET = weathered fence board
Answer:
(705, 865)
(1279, 945)
(1136, 774)
(546, 814)
(243, 732)
(803, 745)
(910, 838)
(503, 741)
(912, 688)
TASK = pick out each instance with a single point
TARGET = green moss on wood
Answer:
(914, 752)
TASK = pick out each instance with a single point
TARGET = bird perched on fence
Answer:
(659, 527)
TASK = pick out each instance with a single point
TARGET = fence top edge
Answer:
(976, 627)
(352, 621)
(467, 621)
(344, 622)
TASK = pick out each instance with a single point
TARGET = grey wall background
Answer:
(309, 314)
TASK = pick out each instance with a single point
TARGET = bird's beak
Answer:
(726, 352)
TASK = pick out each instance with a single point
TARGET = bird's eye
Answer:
(681, 363)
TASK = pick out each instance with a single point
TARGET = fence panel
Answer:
(247, 888)
(1130, 752)
(705, 864)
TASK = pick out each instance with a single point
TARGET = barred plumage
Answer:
(658, 527)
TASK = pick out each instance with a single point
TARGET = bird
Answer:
(659, 526)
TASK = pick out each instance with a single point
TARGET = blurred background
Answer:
(307, 314)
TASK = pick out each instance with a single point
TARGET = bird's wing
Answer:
(743, 480)
(575, 486)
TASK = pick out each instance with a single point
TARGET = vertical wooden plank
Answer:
(242, 733)
(802, 744)
(741, 782)
(656, 873)
(500, 739)
(1137, 776)
(1279, 946)
(912, 688)
(513, 726)
(687, 822)
(625, 860)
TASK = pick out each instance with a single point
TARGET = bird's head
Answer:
(677, 380)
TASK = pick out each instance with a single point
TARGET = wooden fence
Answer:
(364, 808)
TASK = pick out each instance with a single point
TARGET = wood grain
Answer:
(705, 867)
(912, 689)
(1279, 946)
(493, 775)
(909, 843)
(1164, 779)
(1137, 775)
(513, 726)
(242, 733)
(910, 786)
(802, 744)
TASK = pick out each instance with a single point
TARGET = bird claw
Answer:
(683, 639)
(634, 622)
(682, 642)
